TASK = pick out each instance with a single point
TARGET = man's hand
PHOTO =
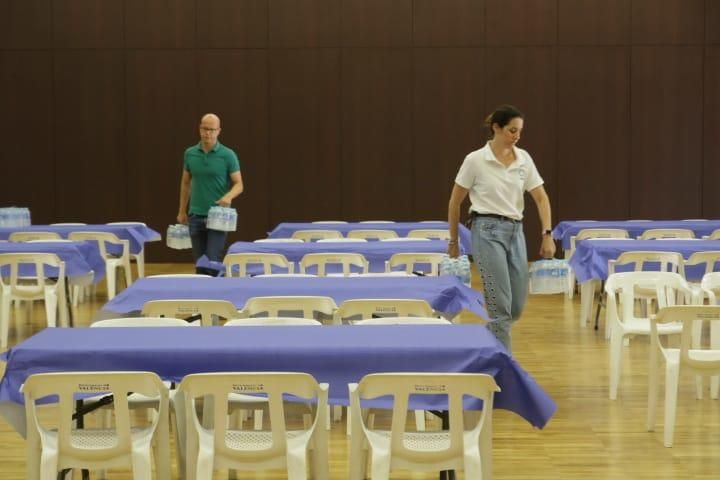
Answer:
(547, 247)
(182, 218)
(224, 201)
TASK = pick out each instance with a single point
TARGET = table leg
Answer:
(587, 295)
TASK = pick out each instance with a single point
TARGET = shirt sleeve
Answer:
(233, 163)
(533, 179)
(186, 162)
(466, 176)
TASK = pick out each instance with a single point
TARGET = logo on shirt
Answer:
(522, 173)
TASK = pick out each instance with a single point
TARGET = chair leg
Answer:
(616, 341)
(4, 319)
(652, 388)
(671, 386)
(420, 421)
(110, 275)
(51, 301)
(140, 259)
(258, 419)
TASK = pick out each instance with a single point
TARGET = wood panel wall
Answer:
(357, 109)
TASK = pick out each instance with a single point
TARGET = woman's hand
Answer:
(547, 247)
(453, 250)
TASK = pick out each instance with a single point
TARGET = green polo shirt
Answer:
(210, 175)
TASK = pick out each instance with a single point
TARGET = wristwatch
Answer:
(546, 232)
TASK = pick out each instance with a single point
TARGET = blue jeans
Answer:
(210, 243)
(498, 248)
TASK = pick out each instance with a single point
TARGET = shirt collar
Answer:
(490, 156)
(214, 149)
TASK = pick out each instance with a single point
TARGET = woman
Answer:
(497, 176)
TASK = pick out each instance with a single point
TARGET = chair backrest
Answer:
(310, 235)
(404, 321)
(329, 221)
(405, 239)
(102, 238)
(667, 261)
(180, 275)
(433, 233)
(30, 236)
(216, 387)
(141, 322)
(692, 317)
(31, 286)
(368, 307)
(286, 275)
(587, 233)
(456, 386)
(278, 240)
(377, 221)
(710, 284)
(341, 240)
(65, 385)
(68, 224)
(238, 263)
(322, 260)
(410, 260)
(659, 233)
(274, 305)
(272, 322)
(184, 308)
(623, 286)
(709, 259)
(715, 235)
(139, 224)
(373, 234)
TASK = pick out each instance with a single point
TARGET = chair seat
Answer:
(97, 439)
(254, 440)
(641, 326)
(672, 355)
(420, 441)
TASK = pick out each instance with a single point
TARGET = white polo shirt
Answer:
(495, 188)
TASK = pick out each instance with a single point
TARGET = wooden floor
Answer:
(590, 437)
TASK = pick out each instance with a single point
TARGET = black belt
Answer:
(494, 215)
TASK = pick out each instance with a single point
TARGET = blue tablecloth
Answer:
(590, 260)
(564, 230)
(80, 257)
(137, 234)
(337, 355)
(285, 230)
(445, 294)
(376, 253)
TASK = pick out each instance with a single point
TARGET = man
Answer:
(211, 176)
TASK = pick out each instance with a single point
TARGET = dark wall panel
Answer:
(88, 23)
(448, 22)
(377, 163)
(27, 153)
(234, 85)
(525, 77)
(711, 153)
(25, 24)
(305, 135)
(448, 122)
(666, 137)
(521, 22)
(160, 23)
(233, 24)
(594, 118)
(91, 169)
(161, 122)
(593, 22)
(376, 23)
(677, 22)
(712, 21)
(304, 23)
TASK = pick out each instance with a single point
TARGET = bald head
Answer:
(209, 130)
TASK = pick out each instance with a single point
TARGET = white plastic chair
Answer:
(709, 259)
(372, 234)
(329, 221)
(341, 240)
(455, 448)
(273, 322)
(273, 306)
(111, 263)
(623, 286)
(410, 260)
(287, 275)
(431, 233)
(310, 235)
(369, 307)
(405, 239)
(715, 235)
(278, 240)
(660, 233)
(140, 256)
(123, 446)
(688, 357)
(585, 234)
(68, 224)
(29, 236)
(404, 321)
(710, 285)
(139, 322)
(38, 287)
(217, 447)
(238, 262)
(184, 308)
(322, 260)
(180, 275)
(377, 221)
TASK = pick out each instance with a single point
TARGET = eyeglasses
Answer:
(209, 130)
